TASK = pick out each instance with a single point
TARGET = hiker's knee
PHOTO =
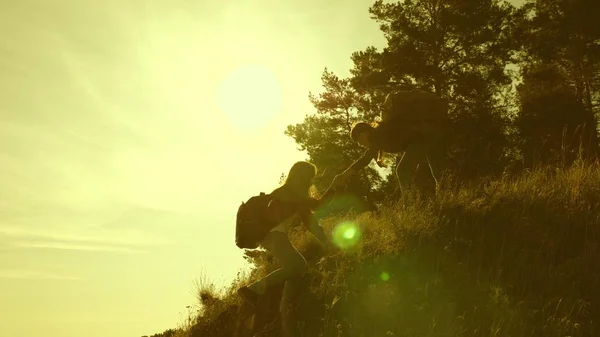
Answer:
(296, 267)
(300, 266)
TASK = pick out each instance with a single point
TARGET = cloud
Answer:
(102, 237)
(94, 240)
(147, 218)
(74, 246)
(135, 230)
(35, 274)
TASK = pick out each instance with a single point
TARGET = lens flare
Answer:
(346, 235)
(384, 276)
(349, 233)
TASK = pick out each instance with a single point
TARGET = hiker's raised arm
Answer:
(328, 194)
(313, 226)
(311, 203)
(362, 162)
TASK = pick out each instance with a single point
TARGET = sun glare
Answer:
(250, 96)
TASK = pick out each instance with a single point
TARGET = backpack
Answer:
(413, 106)
(251, 223)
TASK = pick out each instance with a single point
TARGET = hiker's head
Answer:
(301, 176)
(360, 133)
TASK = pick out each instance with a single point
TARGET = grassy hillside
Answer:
(514, 257)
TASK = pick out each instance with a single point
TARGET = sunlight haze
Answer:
(130, 131)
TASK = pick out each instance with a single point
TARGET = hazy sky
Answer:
(130, 131)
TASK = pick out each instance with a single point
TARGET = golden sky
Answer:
(130, 131)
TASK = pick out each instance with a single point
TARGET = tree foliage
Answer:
(467, 52)
(561, 74)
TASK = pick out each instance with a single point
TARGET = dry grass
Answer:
(514, 257)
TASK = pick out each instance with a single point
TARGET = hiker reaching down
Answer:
(414, 122)
(288, 202)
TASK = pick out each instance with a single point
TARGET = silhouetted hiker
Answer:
(414, 122)
(295, 198)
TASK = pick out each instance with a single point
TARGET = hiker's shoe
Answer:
(249, 296)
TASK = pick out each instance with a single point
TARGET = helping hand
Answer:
(340, 179)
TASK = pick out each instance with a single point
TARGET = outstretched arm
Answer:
(314, 203)
(313, 226)
(329, 192)
(361, 162)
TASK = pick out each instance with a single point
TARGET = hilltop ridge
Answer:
(514, 257)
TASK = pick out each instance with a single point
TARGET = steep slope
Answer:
(516, 257)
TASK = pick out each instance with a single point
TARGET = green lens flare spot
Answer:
(384, 276)
(349, 233)
(346, 235)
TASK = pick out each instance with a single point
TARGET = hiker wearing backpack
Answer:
(414, 122)
(294, 199)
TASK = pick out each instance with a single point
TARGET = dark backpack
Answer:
(415, 105)
(252, 224)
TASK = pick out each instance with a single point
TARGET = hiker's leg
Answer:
(407, 165)
(437, 159)
(292, 262)
(289, 322)
(290, 290)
